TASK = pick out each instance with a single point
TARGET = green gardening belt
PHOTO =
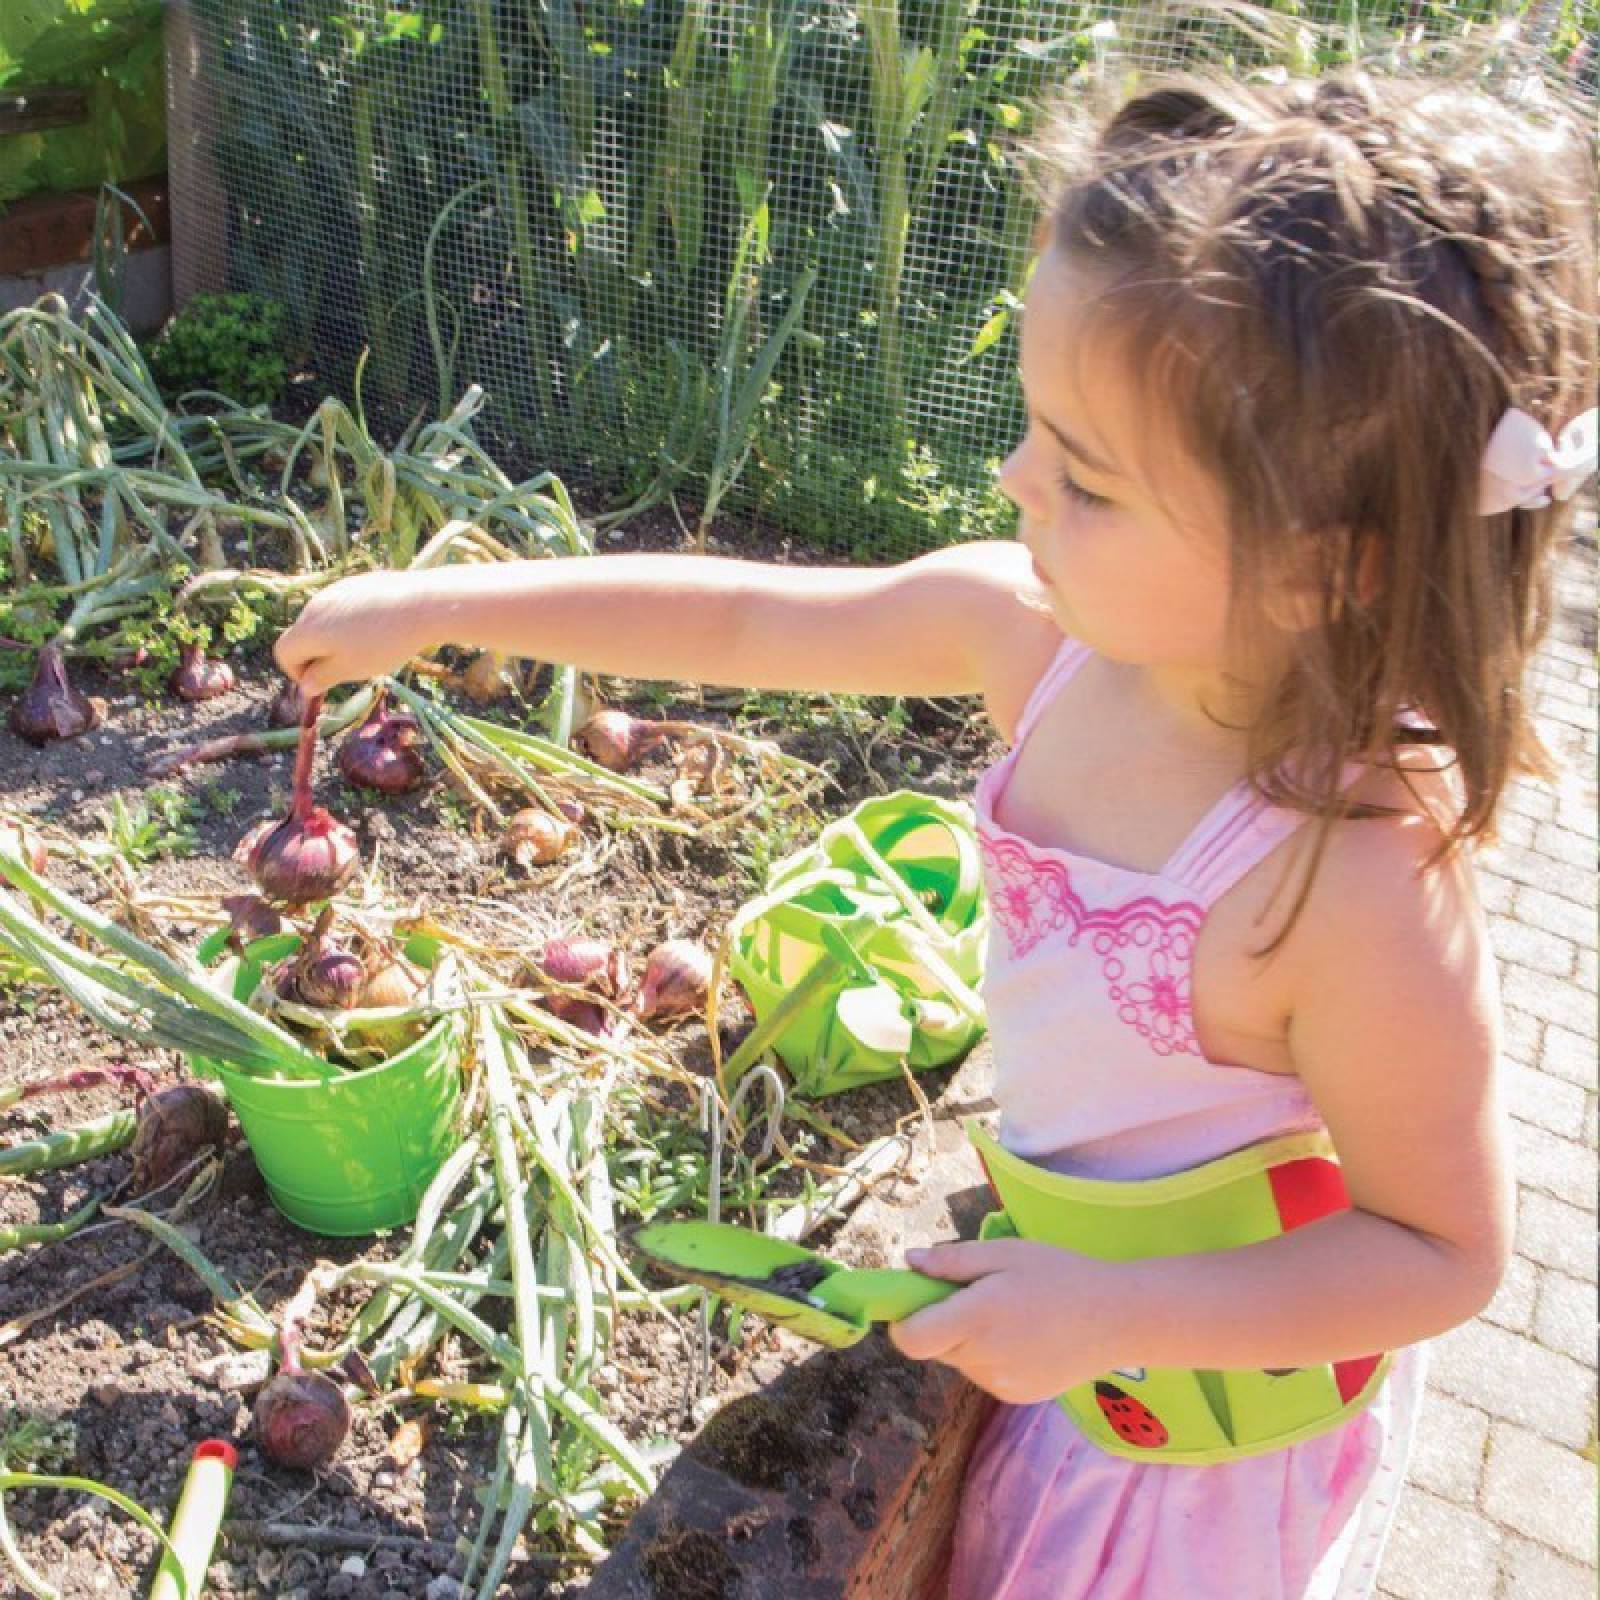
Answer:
(1186, 1415)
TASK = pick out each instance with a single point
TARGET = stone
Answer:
(1447, 1458)
(1541, 1490)
(1437, 1549)
(1512, 1306)
(1516, 1380)
(1566, 1316)
(1550, 998)
(1556, 1235)
(1531, 1572)
(1537, 1097)
(1570, 1055)
(1532, 947)
(1561, 1167)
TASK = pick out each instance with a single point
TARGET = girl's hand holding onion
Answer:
(362, 627)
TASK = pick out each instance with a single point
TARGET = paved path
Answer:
(1501, 1502)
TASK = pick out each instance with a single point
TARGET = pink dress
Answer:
(1097, 1072)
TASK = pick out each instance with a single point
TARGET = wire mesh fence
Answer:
(753, 255)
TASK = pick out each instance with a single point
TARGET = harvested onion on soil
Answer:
(288, 707)
(50, 708)
(310, 854)
(533, 837)
(301, 1418)
(587, 964)
(199, 677)
(176, 1124)
(617, 741)
(677, 979)
(384, 753)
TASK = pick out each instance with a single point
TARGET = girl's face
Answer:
(1128, 534)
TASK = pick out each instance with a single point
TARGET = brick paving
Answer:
(1501, 1500)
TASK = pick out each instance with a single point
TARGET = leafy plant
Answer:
(159, 823)
(227, 344)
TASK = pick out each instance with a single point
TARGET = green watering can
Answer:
(785, 1283)
(891, 896)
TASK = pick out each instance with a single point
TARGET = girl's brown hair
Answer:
(1337, 287)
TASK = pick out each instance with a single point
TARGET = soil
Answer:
(124, 1370)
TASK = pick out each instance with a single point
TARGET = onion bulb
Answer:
(50, 708)
(321, 973)
(175, 1125)
(199, 677)
(616, 741)
(287, 707)
(677, 980)
(301, 1418)
(18, 840)
(310, 853)
(585, 964)
(487, 679)
(384, 753)
(533, 837)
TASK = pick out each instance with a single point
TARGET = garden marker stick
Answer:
(196, 1522)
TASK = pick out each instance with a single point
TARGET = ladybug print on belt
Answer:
(1131, 1420)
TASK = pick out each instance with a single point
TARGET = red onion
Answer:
(16, 838)
(250, 918)
(175, 1125)
(321, 973)
(533, 837)
(588, 964)
(309, 854)
(50, 708)
(287, 708)
(301, 1418)
(617, 741)
(384, 753)
(677, 979)
(199, 677)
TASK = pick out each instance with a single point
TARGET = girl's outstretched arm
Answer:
(924, 627)
(1394, 1029)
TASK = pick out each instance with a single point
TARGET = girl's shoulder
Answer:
(1013, 634)
(1387, 872)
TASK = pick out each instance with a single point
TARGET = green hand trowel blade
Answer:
(784, 1282)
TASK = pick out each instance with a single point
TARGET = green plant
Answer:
(35, 1442)
(159, 823)
(224, 344)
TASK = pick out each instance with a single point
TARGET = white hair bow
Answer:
(1524, 468)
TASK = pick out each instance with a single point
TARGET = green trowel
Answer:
(793, 1287)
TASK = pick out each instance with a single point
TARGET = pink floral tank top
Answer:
(1087, 985)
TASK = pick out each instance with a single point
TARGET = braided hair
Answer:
(1335, 288)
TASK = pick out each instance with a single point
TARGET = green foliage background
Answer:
(111, 50)
(557, 201)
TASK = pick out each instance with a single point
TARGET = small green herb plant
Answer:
(228, 344)
(159, 823)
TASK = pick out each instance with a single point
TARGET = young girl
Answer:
(1302, 366)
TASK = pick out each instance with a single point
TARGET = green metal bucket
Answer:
(354, 1155)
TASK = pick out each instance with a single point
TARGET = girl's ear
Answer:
(1296, 603)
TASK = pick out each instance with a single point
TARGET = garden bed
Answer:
(120, 1382)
